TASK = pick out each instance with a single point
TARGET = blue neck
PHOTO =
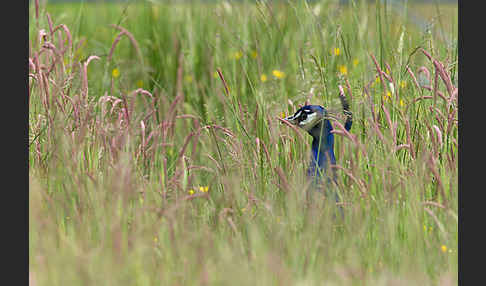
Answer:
(322, 149)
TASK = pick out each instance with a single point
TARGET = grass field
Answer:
(148, 167)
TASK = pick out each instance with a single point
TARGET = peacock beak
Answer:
(292, 119)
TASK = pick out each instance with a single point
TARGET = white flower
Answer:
(392, 87)
(227, 7)
(317, 10)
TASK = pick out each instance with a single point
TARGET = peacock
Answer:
(315, 120)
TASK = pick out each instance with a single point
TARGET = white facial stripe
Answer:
(297, 114)
(309, 119)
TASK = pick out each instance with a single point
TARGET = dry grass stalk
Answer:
(359, 182)
(295, 129)
(436, 220)
(68, 34)
(37, 12)
(432, 165)
(392, 126)
(415, 81)
(130, 36)
(220, 74)
(85, 76)
(267, 155)
(284, 184)
(380, 73)
(348, 87)
(409, 139)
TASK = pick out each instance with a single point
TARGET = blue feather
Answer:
(313, 119)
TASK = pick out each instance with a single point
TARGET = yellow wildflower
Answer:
(237, 55)
(283, 114)
(140, 83)
(336, 51)
(403, 84)
(443, 248)
(115, 73)
(204, 189)
(387, 96)
(191, 192)
(263, 77)
(278, 74)
(377, 80)
(343, 70)
(425, 228)
(402, 103)
(254, 54)
(355, 62)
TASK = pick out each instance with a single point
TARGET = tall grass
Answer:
(156, 153)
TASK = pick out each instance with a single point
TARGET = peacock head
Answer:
(307, 116)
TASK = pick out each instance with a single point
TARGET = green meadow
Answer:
(157, 155)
